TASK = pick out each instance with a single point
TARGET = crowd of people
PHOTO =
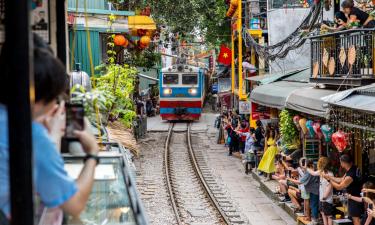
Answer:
(310, 186)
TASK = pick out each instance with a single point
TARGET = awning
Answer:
(269, 78)
(148, 77)
(275, 94)
(362, 98)
(309, 100)
(141, 22)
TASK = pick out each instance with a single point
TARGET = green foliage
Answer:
(92, 99)
(206, 17)
(288, 130)
(117, 83)
(146, 58)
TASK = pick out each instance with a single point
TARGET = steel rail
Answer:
(202, 179)
(167, 175)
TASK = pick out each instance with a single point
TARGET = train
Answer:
(182, 89)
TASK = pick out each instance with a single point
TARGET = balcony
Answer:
(343, 58)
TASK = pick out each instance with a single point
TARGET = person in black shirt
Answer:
(351, 182)
(259, 141)
(357, 15)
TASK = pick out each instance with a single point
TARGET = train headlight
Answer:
(193, 91)
(167, 91)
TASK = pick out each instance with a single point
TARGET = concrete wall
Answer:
(281, 23)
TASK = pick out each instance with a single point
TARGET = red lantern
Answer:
(144, 42)
(120, 40)
(318, 131)
(340, 139)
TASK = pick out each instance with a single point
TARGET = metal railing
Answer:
(345, 53)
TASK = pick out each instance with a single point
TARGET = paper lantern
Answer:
(340, 139)
(317, 130)
(327, 132)
(296, 121)
(144, 42)
(310, 128)
(302, 124)
(120, 40)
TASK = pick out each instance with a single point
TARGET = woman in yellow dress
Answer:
(267, 163)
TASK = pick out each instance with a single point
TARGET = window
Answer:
(170, 78)
(189, 79)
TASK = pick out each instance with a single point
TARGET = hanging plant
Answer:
(288, 130)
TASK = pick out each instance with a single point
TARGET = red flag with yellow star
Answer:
(225, 56)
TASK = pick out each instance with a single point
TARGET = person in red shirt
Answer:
(243, 129)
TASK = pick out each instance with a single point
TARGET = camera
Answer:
(74, 119)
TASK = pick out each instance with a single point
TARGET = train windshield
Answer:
(170, 78)
(189, 79)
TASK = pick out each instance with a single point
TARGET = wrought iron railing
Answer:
(348, 54)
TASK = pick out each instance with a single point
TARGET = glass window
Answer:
(190, 79)
(170, 78)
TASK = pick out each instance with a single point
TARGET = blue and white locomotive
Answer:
(182, 92)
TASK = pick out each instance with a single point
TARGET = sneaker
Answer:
(286, 200)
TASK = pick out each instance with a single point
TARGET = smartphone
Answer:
(371, 206)
(74, 119)
(284, 158)
(303, 162)
(289, 173)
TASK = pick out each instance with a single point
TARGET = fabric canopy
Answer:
(362, 98)
(275, 94)
(141, 22)
(269, 78)
(309, 100)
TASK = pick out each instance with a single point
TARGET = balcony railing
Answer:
(346, 55)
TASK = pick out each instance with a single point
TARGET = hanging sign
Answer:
(244, 107)
(40, 23)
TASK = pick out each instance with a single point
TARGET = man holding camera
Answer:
(52, 183)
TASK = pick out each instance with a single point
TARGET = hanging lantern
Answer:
(120, 40)
(310, 128)
(327, 132)
(144, 42)
(340, 139)
(317, 130)
(302, 124)
(296, 121)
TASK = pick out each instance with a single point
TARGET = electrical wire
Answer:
(294, 41)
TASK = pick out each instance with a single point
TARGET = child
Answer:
(325, 192)
(249, 157)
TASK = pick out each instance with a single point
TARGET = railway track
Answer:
(194, 194)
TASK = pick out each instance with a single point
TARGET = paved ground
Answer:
(228, 171)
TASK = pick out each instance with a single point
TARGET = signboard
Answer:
(244, 107)
(225, 85)
(259, 112)
(40, 23)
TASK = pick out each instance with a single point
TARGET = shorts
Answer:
(305, 195)
(290, 183)
(355, 209)
(327, 208)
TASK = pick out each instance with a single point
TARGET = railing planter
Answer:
(343, 58)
